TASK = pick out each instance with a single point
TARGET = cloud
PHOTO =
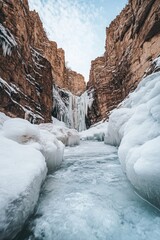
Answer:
(73, 25)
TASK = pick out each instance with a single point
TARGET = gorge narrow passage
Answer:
(90, 198)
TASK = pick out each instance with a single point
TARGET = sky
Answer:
(79, 27)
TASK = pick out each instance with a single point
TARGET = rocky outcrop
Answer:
(74, 82)
(30, 64)
(63, 77)
(131, 44)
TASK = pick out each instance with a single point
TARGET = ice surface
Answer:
(89, 198)
(135, 127)
(95, 132)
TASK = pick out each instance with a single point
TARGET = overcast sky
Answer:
(78, 26)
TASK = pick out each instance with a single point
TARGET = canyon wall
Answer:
(132, 42)
(30, 64)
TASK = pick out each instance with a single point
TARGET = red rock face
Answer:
(25, 74)
(30, 64)
(74, 82)
(133, 40)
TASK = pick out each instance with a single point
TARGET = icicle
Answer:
(72, 109)
(7, 40)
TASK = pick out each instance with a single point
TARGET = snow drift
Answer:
(69, 137)
(95, 132)
(22, 171)
(135, 128)
(26, 154)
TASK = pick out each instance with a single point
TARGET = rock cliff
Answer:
(133, 40)
(30, 64)
(25, 74)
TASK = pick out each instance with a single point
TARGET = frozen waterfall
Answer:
(71, 109)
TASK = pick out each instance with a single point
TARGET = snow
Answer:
(95, 132)
(69, 137)
(89, 197)
(22, 172)
(20, 130)
(7, 40)
(27, 153)
(71, 109)
(135, 128)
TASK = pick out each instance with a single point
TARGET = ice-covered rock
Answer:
(23, 132)
(22, 171)
(69, 137)
(135, 127)
(96, 132)
(26, 154)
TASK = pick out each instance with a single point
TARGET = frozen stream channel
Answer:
(90, 198)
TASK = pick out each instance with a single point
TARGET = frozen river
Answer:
(89, 198)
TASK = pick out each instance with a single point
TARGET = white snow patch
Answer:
(25, 150)
(24, 132)
(69, 137)
(135, 127)
(96, 132)
(22, 171)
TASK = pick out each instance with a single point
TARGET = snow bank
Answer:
(96, 132)
(24, 132)
(25, 150)
(69, 137)
(22, 171)
(135, 127)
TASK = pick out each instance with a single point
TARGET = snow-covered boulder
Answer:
(23, 132)
(27, 153)
(135, 128)
(96, 132)
(22, 171)
(69, 137)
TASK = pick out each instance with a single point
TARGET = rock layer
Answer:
(133, 40)
(30, 64)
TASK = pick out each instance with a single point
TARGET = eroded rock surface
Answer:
(133, 40)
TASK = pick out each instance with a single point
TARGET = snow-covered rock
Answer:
(96, 132)
(22, 171)
(135, 127)
(24, 132)
(26, 154)
(69, 137)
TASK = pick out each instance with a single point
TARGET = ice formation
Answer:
(27, 152)
(95, 132)
(71, 109)
(135, 127)
(69, 137)
(22, 171)
(7, 40)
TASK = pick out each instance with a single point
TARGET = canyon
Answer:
(33, 69)
(132, 42)
(30, 64)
